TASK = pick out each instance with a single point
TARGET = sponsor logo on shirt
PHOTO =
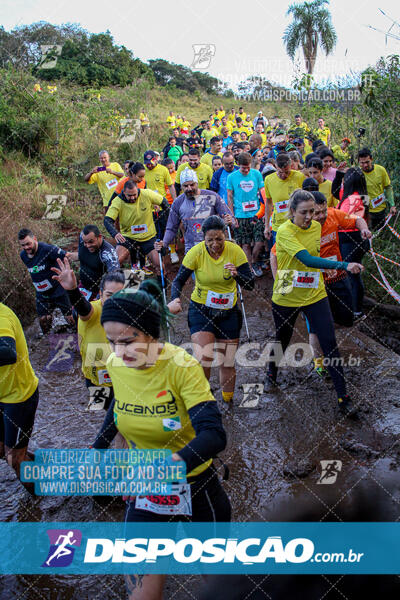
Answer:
(169, 407)
(37, 269)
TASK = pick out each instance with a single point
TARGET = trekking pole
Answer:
(163, 289)
(241, 296)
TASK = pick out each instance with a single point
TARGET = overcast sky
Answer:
(245, 35)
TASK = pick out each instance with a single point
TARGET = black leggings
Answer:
(320, 318)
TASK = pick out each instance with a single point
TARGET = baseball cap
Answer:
(149, 155)
(188, 175)
(259, 112)
(298, 141)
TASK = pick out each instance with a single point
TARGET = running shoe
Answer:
(257, 270)
(135, 267)
(346, 406)
(322, 372)
(147, 271)
(174, 258)
(269, 382)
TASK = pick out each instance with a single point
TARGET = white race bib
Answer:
(221, 301)
(103, 376)
(42, 286)
(306, 279)
(111, 184)
(98, 397)
(375, 202)
(179, 502)
(136, 229)
(85, 293)
(249, 205)
(281, 207)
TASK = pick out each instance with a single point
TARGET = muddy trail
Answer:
(275, 442)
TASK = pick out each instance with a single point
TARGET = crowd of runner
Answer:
(248, 198)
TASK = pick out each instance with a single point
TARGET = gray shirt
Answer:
(192, 213)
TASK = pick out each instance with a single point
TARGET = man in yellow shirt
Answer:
(226, 123)
(19, 392)
(242, 114)
(341, 152)
(157, 176)
(300, 124)
(134, 209)
(323, 132)
(279, 186)
(144, 120)
(379, 189)
(203, 171)
(232, 116)
(106, 177)
(221, 112)
(208, 132)
(214, 150)
(171, 121)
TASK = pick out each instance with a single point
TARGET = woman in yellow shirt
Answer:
(218, 265)
(162, 401)
(299, 287)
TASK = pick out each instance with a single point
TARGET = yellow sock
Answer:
(319, 362)
(227, 396)
(172, 248)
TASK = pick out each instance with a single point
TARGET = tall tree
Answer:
(311, 27)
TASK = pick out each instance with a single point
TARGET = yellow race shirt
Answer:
(185, 125)
(377, 180)
(204, 174)
(339, 154)
(106, 182)
(295, 284)
(221, 113)
(229, 127)
(215, 287)
(171, 122)
(17, 381)
(144, 119)
(263, 139)
(207, 134)
(206, 159)
(280, 190)
(157, 179)
(94, 347)
(151, 405)
(136, 218)
(323, 134)
(326, 188)
(242, 115)
(232, 117)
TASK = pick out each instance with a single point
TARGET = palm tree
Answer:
(311, 26)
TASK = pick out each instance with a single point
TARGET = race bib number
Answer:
(111, 184)
(221, 301)
(85, 293)
(42, 286)
(179, 502)
(375, 202)
(249, 206)
(247, 186)
(103, 376)
(306, 279)
(98, 397)
(281, 207)
(136, 229)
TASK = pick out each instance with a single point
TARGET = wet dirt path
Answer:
(274, 447)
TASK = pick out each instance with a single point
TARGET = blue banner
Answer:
(193, 548)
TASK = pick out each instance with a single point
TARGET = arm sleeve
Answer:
(316, 262)
(210, 435)
(8, 351)
(177, 285)
(79, 302)
(389, 195)
(108, 430)
(165, 204)
(172, 224)
(245, 277)
(109, 225)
